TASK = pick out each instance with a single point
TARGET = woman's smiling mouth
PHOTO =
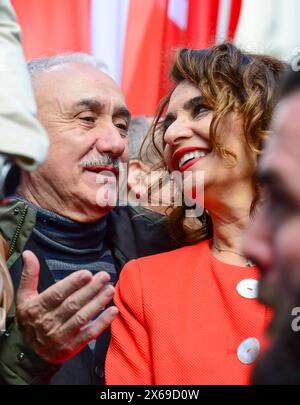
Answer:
(186, 157)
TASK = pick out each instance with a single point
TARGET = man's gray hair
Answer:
(40, 65)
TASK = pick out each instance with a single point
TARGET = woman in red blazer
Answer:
(190, 316)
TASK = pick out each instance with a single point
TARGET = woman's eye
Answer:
(166, 124)
(200, 109)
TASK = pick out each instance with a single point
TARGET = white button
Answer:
(248, 351)
(248, 288)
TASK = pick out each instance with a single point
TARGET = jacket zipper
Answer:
(18, 231)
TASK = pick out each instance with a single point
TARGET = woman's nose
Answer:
(177, 132)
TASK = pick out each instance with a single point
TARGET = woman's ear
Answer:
(138, 179)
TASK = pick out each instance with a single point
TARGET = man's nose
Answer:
(258, 242)
(110, 140)
(177, 132)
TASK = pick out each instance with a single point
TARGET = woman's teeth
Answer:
(191, 155)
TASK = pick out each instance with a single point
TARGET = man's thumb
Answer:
(30, 277)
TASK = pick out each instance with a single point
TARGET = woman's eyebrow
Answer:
(192, 103)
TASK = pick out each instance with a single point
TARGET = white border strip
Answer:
(223, 20)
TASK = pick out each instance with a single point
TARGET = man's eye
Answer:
(124, 127)
(88, 118)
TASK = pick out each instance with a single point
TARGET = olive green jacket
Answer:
(132, 232)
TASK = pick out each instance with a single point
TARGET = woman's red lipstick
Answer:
(181, 152)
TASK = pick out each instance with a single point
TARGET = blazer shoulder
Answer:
(173, 258)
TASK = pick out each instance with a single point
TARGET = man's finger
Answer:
(95, 328)
(82, 297)
(89, 311)
(30, 277)
(56, 294)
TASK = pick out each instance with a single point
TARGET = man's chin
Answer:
(104, 206)
(94, 208)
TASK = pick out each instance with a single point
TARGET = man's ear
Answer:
(137, 177)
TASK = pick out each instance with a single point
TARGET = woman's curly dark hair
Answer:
(229, 79)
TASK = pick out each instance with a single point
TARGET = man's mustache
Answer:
(101, 159)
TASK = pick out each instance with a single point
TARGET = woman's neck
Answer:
(228, 230)
(229, 220)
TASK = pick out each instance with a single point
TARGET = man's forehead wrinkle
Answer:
(114, 107)
(282, 167)
(105, 105)
(284, 143)
(96, 92)
(287, 113)
(286, 140)
(279, 115)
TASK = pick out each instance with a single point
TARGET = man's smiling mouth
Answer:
(102, 168)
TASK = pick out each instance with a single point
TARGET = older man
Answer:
(272, 240)
(59, 216)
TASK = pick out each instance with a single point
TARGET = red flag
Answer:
(236, 6)
(202, 23)
(175, 36)
(154, 29)
(142, 54)
(56, 26)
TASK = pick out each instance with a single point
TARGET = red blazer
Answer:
(183, 321)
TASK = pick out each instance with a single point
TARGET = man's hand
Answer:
(56, 323)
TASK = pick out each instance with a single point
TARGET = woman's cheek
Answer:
(168, 159)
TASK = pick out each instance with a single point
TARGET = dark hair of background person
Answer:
(229, 80)
(290, 83)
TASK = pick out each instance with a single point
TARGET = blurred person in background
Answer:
(23, 141)
(138, 129)
(272, 239)
(148, 185)
(190, 316)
